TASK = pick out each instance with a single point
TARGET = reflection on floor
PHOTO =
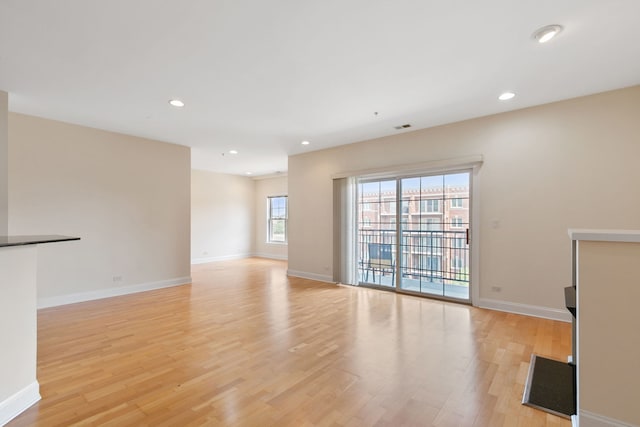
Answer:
(430, 286)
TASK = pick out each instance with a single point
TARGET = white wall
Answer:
(547, 168)
(127, 198)
(4, 163)
(222, 216)
(268, 187)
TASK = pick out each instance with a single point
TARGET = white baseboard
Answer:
(528, 310)
(110, 292)
(271, 256)
(205, 260)
(14, 405)
(312, 276)
(589, 419)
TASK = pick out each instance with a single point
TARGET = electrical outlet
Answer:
(496, 289)
(117, 278)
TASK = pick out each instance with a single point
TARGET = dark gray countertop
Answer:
(33, 240)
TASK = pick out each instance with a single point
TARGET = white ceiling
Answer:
(260, 76)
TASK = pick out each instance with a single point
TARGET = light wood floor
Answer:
(246, 346)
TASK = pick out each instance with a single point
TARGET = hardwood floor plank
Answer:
(244, 345)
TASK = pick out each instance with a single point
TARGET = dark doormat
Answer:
(551, 386)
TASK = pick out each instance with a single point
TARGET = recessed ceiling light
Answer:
(506, 96)
(248, 173)
(305, 143)
(233, 152)
(544, 34)
(176, 103)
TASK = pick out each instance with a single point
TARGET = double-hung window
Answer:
(277, 219)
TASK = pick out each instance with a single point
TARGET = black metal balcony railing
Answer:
(436, 256)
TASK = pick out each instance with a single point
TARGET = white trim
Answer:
(205, 260)
(110, 292)
(14, 405)
(589, 419)
(474, 223)
(312, 276)
(433, 166)
(528, 310)
(271, 256)
(631, 236)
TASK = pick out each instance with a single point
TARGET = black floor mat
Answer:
(551, 386)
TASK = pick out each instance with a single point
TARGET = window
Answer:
(456, 263)
(456, 203)
(390, 207)
(277, 219)
(433, 264)
(458, 243)
(430, 224)
(430, 205)
(456, 222)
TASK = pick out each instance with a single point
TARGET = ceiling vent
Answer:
(404, 126)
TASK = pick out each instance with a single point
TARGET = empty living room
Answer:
(409, 213)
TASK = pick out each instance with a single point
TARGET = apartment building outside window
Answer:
(277, 219)
(430, 205)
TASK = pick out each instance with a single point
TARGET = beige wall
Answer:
(128, 199)
(222, 216)
(547, 168)
(608, 345)
(267, 187)
(4, 163)
(18, 384)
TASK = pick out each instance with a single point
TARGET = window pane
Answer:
(277, 220)
(278, 230)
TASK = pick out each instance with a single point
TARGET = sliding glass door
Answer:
(413, 234)
(377, 205)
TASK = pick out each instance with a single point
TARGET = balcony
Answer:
(433, 262)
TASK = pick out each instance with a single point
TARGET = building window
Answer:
(277, 219)
(430, 205)
(430, 224)
(456, 222)
(390, 207)
(458, 243)
(456, 203)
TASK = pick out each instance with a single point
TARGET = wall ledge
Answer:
(312, 276)
(528, 310)
(110, 292)
(589, 419)
(14, 405)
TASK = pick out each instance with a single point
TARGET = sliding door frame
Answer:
(474, 234)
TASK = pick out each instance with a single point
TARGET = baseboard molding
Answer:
(312, 276)
(528, 310)
(589, 419)
(110, 292)
(205, 260)
(14, 405)
(271, 256)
